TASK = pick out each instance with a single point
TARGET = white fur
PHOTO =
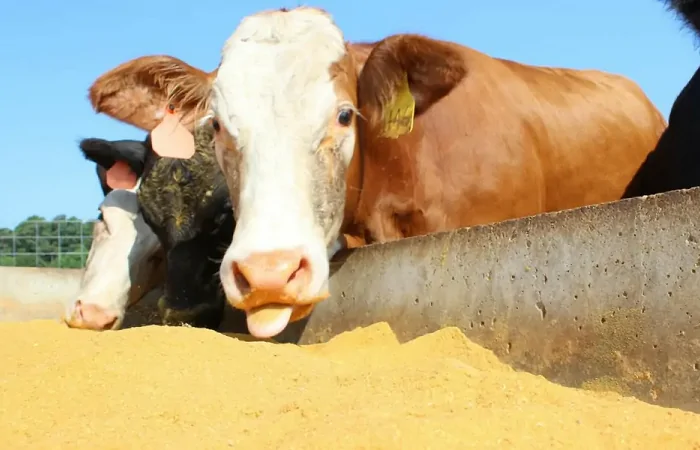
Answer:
(336, 246)
(121, 247)
(273, 93)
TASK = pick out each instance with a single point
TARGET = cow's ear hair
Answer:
(408, 71)
(140, 91)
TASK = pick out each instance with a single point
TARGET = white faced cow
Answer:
(426, 136)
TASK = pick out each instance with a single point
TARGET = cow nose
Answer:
(91, 317)
(275, 270)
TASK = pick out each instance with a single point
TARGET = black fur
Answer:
(688, 11)
(675, 162)
(106, 153)
(101, 176)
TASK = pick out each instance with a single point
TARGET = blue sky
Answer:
(52, 51)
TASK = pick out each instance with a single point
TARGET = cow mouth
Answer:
(269, 320)
(268, 312)
(75, 320)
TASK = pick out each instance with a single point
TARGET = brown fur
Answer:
(360, 53)
(137, 91)
(492, 139)
(432, 72)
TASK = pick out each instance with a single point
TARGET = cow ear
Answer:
(404, 75)
(123, 160)
(102, 178)
(140, 92)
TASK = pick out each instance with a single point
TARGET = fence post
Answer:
(58, 224)
(14, 248)
(36, 244)
(82, 247)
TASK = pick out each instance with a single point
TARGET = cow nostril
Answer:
(78, 310)
(301, 272)
(110, 324)
(239, 278)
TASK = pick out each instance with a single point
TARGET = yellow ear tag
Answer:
(398, 114)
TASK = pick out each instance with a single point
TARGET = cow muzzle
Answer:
(88, 316)
(275, 290)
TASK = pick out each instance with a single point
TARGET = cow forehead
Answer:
(276, 65)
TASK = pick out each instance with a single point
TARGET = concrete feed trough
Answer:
(601, 297)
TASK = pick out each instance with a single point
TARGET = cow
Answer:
(675, 161)
(429, 136)
(125, 260)
(181, 218)
(186, 205)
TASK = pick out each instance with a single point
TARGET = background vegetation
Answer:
(36, 242)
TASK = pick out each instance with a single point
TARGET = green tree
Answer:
(35, 242)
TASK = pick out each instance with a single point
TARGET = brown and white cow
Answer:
(427, 136)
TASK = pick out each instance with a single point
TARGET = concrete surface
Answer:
(602, 297)
(28, 293)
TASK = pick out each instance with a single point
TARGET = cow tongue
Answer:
(269, 320)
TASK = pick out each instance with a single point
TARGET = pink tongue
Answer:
(267, 321)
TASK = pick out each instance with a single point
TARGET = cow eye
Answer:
(215, 124)
(345, 117)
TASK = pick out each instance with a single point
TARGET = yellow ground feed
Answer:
(185, 388)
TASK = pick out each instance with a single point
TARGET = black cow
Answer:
(675, 162)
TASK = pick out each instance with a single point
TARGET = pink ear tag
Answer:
(170, 139)
(120, 176)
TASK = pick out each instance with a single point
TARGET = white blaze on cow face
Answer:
(285, 139)
(121, 256)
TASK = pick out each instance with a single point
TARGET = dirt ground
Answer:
(185, 388)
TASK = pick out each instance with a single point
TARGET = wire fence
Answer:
(46, 243)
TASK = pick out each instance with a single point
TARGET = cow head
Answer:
(186, 203)
(290, 109)
(125, 259)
